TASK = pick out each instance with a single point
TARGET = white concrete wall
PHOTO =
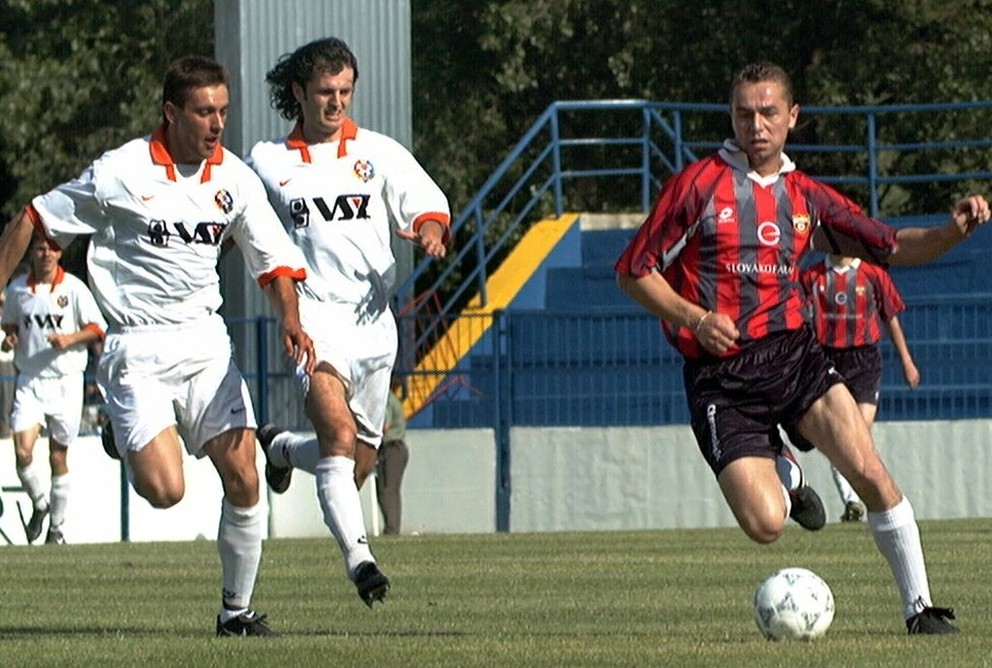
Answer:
(563, 479)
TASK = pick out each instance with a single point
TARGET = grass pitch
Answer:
(651, 598)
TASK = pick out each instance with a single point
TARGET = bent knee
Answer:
(161, 496)
(763, 531)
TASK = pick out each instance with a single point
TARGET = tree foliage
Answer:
(81, 76)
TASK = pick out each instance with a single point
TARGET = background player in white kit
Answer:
(335, 186)
(158, 210)
(49, 320)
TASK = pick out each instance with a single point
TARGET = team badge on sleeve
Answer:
(364, 170)
(224, 201)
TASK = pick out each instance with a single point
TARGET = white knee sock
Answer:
(59, 499)
(32, 485)
(291, 450)
(342, 508)
(898, 539)
(239, 542)
(789, 472)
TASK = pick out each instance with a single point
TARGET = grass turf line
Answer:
(648, 598)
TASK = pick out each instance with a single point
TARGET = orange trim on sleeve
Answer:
(93, 327)
(441, 218)
(35, 219)
(295, 274)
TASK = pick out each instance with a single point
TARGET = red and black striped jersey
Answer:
(731, 241)
(850, 303)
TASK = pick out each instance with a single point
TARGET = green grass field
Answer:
(652, 598)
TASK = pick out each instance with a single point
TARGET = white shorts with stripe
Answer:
(362, 355)
(55, 402)
(156, 377)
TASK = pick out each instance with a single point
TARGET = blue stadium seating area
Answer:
(588, 356)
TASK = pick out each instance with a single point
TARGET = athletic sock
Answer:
(59, 499)
(32, 485)
(342, 507)
(898, 539)
(291, 450)
(239, 542)
(847, 493)
(789, 471)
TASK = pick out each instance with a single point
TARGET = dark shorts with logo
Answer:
(861, 368)
(737, 404)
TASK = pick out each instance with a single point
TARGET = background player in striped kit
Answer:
(49, 320)
(850, 302)
(336, 187)
(157, 211)
(717, 260)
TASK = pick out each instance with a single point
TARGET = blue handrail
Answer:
(530, 181)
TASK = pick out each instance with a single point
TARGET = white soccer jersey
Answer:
(40, 310)
(335, 200)
(157, 234)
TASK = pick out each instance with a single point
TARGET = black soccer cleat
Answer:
(108, 441)
(33, 527)
(246, 624)
(372, 584)
(278, 477)
(807, 508)
(854, 511)
(54, 536)
(931, 621)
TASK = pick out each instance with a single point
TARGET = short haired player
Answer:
(717, 260)
(49, 320)
(157, 211)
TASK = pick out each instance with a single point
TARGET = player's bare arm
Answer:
(84, 336)
(716, 332)
(14, 244)
(281, 292)
(430, 237)
(919, 245)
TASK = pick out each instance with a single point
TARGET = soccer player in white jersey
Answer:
(49, 320)
(157, 211)
(335, 186)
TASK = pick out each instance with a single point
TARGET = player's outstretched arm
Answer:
(281, 292)
(14, 243)
(919, 245)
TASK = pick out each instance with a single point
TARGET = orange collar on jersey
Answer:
(33, 280)
(295, 140)
(161, 156)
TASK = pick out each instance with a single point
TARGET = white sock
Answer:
(789, 472)
(291, 450)
(59, 499)
(898, 539)
(342, 508)
(847, 493)
(788, 500)
(32, 485)
(239, 542)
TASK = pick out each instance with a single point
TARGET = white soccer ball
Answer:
(793, 604)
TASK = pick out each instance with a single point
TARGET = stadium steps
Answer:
(502, 287)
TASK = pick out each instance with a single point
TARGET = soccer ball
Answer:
(793, 604)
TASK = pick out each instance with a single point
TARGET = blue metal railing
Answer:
(531, 181)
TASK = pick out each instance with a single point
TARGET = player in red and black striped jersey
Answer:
(851, 302)
(718, 261)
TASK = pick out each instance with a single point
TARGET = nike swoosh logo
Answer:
(237, 410)
(145, 198)
(282, 183)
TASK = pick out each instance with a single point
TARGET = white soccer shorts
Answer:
(156, 377)
(362, 356)
(55, 402)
